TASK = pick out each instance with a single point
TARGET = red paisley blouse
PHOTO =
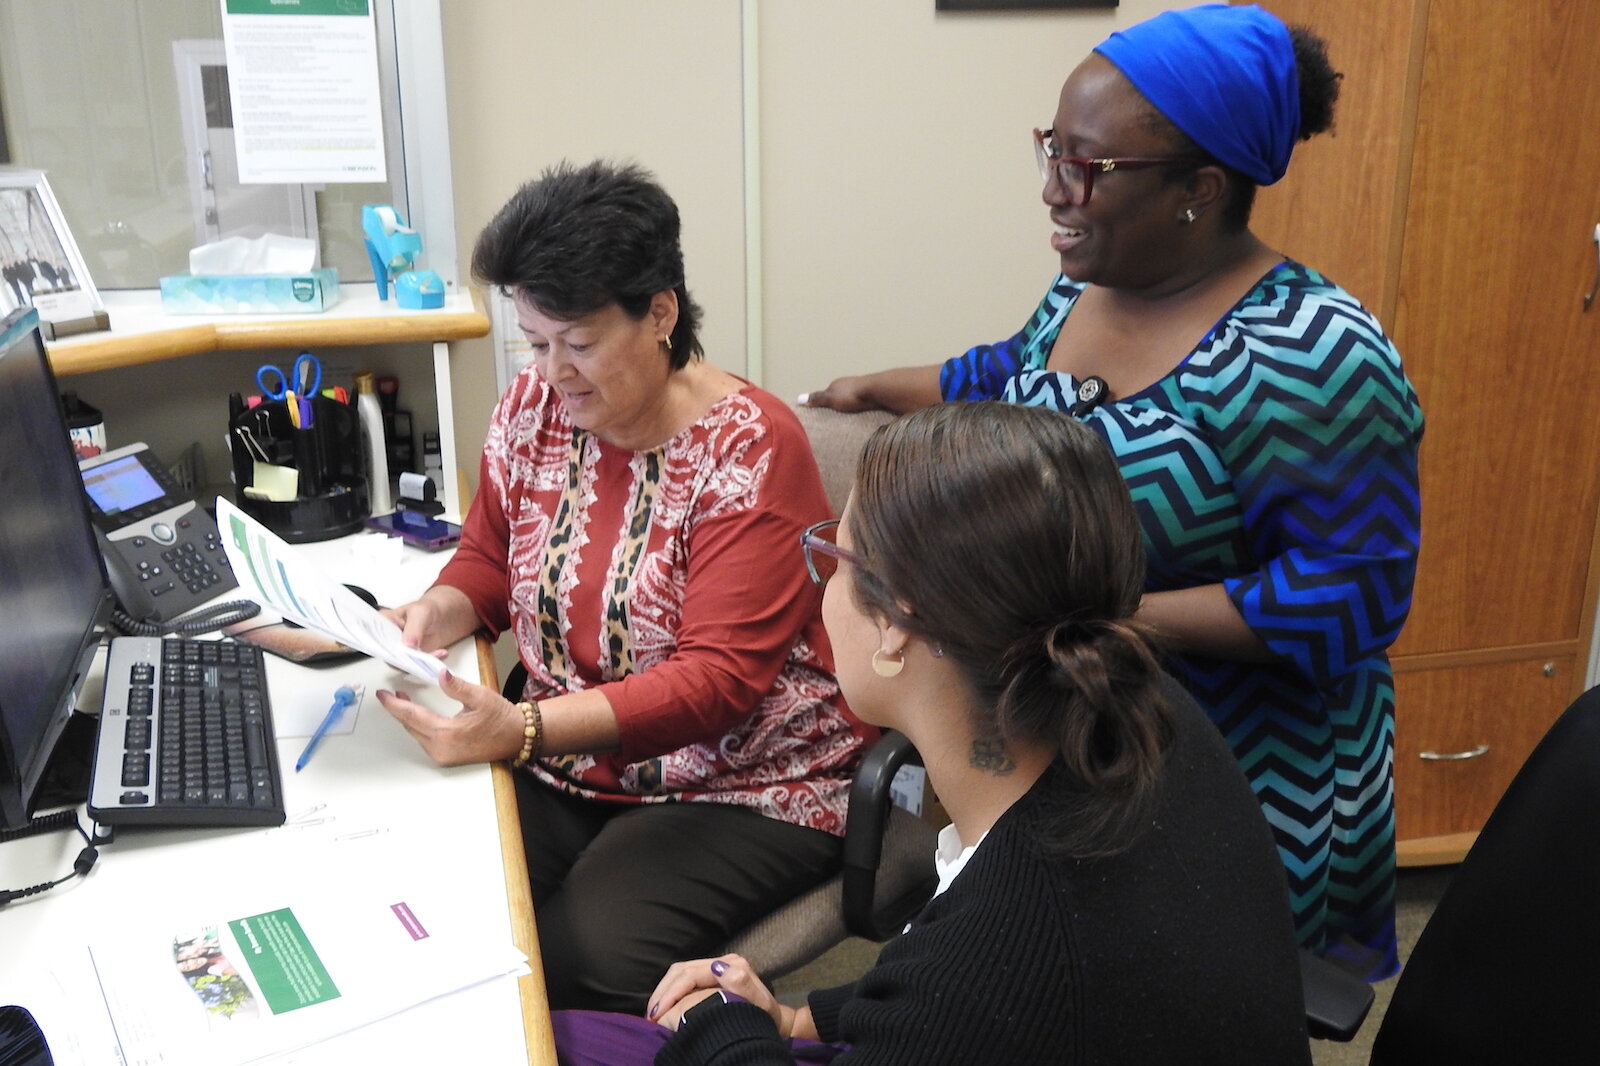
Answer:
(672, 579)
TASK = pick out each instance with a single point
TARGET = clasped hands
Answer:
(687, 983)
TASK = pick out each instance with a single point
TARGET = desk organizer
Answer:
(329, 457)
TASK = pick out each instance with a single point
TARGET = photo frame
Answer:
(1016, 5)
(40, 265)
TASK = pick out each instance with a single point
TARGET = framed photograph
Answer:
(1016, 5)
(39, 261)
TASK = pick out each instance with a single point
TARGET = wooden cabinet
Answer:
(1458, 198)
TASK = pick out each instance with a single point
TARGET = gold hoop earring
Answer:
(668, 342)
(884, 666)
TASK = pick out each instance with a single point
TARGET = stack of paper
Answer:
(270, 572)
(257, 964)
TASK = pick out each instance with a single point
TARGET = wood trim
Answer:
(1434, 851)
(1400, 205)
(152, 336)
(1510, 653)
(535, 1004)
(131, 350)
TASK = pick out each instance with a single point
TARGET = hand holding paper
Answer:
(271, 573)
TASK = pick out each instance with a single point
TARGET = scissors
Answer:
(306, 379)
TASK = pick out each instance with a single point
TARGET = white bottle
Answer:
(378, 491)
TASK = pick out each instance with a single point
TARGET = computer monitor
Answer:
(54, 596)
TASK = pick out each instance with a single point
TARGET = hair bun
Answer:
(1061, 654)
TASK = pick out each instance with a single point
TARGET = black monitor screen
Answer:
(53, 591)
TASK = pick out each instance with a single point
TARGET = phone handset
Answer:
(163, 553)
(132, 598)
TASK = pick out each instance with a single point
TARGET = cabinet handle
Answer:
(1453, 756)
(1588, 300)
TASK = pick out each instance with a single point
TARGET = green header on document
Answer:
(299, 7)
(286, 967)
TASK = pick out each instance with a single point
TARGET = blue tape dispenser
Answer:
(393, 248)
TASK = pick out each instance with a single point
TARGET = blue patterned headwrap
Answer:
(1224, 75)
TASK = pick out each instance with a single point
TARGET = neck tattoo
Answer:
(989, 754)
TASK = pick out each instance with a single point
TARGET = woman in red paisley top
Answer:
(684, 753)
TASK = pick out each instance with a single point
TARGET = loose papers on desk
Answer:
(270, 572)
(254, 962)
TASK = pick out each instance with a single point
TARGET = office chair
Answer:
(1505, 969)
(886, 878)
(1337, 1001)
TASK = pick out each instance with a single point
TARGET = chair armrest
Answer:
(865, 824)
(1337, 1000)
(516, 677)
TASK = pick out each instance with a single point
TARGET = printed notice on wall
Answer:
(303, 78)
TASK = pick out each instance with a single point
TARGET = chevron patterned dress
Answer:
(1280, 459)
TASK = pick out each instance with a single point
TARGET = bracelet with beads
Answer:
(532, 732)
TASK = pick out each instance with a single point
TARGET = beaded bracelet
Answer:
(532, 732)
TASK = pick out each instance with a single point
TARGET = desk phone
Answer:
(162, 551)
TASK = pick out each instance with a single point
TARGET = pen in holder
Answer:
(320, 442)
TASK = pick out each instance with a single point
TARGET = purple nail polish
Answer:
(651, 1013)
(718, 968)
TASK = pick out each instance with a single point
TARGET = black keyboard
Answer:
(185, 736)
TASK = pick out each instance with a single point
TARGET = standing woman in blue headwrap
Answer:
(1259, 414)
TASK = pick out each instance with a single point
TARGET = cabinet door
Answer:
(1461, 734)
(1339, 208)
(1458, 197)
(1498, 252)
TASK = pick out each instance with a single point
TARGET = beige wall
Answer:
(899, 217)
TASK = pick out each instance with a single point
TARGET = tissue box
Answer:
(210, 294)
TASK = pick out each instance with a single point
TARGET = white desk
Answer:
(376, 779)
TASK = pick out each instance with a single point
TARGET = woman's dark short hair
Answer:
(1319, 93)
(1005, 536)
(578, 239)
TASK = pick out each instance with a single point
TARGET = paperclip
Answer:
(301, 816)
(358, 834)
(251, 443)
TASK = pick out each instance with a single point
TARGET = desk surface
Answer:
(371, 782)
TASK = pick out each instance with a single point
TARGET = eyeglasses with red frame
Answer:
(1076, 173)
(822, 554)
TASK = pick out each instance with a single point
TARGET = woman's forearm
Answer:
(1202, 621)
(579, 723)
(801, 1026)
(899, 390)
(453, 614)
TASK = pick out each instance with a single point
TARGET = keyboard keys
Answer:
(196, 746)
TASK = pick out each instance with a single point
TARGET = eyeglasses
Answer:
(822, 554)
(1076, 173)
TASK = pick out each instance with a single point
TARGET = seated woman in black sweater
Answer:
(1109, 892)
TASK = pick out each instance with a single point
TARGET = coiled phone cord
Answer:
(204, 620)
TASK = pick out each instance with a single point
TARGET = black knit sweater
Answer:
(1179, 949)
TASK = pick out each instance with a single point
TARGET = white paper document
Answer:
(273, 574)
(261, 966)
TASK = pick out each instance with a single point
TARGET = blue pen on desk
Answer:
(342, 699)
